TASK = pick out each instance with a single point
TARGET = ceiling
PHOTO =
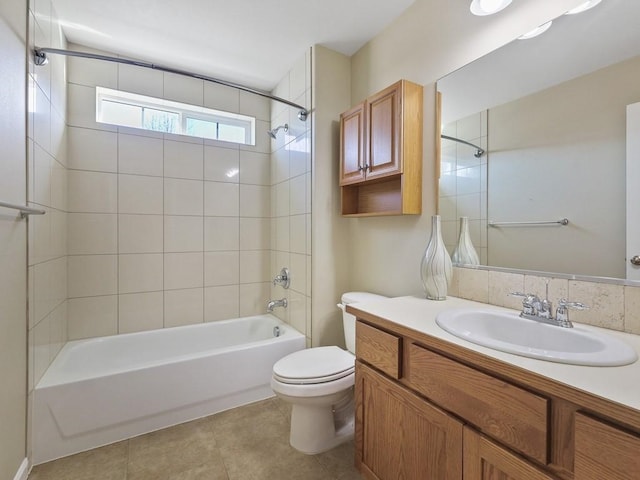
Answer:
(253, 42)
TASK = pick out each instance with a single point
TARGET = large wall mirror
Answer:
(551, 114)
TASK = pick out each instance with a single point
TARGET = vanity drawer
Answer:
(516, 417)
(379, 349)
(604, 451)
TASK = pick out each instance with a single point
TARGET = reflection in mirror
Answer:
(550, 112)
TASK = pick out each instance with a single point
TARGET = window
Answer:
(149, 113)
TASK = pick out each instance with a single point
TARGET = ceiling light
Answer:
(583, 7)
(488, 7)
(536, 31)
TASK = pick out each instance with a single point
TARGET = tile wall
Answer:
(46, 189)
(163, 230)
(463, 183)
(291, 196)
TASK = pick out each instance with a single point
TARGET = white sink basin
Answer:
(510, 333)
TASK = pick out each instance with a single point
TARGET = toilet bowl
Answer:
(318, 383)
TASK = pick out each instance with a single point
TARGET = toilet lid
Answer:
(314, 365)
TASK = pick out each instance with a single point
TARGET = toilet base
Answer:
(317, 426)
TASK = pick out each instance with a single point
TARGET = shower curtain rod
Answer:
(40, 58)
(479, 151)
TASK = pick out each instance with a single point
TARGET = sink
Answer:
(510, 333)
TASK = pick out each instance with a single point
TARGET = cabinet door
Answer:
(485, 460)
(352, 145)
(604, 451)
(401, 436)
(384, 118)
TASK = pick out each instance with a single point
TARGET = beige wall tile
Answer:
(140, 194)
(92, 275)
(81, 108)
(183, 307)
(254, 298)
(279, 165)
(183, 234)
(254, 201)
(92, 150)
(298, 195)
(140, 80)
(183, 89)
(183, 197)
(221, 303)
(183, 270)
(221, 164)
(283, 194)
(255, 233)
(221, 199)
(40, 349)
(92, 233)
(92, 192)
(221, 268)
(92, 317)
(605, 302)
(474, 284)
(298, 273)
(298, 234)
(255, 168)
(283, 235)
(254, 266)
(140, 233)
(501, 285)
(255, 106)
(183, 160)
(632, 309)
(140, 155)
(221, 233)
(297, 311)
(140, 272)
(221, 97)
(263, 141)
(139, 312)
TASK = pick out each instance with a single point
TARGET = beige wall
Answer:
(291, 196)
(164, 230)
(13, 239)
(330, 242)
(431, 39)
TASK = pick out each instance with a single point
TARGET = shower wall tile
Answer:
(140, 155)
(138, 80)
(221, 268)
(221, 199)
(221, 233)
(255, 233)
(221, 164)
(254, 298)
(92, 233)
(183, 234)
(140, 194)
(92, 73)
(183, 197)
(254, 201)
(183, 160)
(297, 195)
(92, 275)
(221, 303)
(139, 312)
(255, 168)
(221, 97)
(183, 270)
(263, 142)
(92, 192)
(255, 106)
(254, 266)
(93, 317)
(140, 273)
(183, 89)
(81, 108)
(140, 233)
(183, 307)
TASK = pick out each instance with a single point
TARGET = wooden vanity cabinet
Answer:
(424, 405)
(381, 153)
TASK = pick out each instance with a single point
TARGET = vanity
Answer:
(430, 405)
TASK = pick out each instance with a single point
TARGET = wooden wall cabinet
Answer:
(426, 412)
(381, 153)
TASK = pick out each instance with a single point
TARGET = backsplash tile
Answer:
(501, 284)
(605, 302)
(632, 309)
(473, 284)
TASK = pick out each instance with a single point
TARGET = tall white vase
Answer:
(465, 254)
(436, 268)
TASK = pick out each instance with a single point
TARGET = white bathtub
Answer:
(102, 390)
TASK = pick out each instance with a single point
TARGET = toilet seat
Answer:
(314, 365)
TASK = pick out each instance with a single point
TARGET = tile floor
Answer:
(246, 443)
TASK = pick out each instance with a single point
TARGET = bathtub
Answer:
(102, 390)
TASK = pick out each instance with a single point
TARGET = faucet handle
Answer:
(564, 303)
(562, 312)
(530, 302)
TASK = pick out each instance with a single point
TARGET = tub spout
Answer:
(276, 303)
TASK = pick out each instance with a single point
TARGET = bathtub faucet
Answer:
(276, 303)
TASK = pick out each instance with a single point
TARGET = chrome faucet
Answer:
(283, 278)
(541, 310)
(276, 303)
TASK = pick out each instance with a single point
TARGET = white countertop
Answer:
(618, 384)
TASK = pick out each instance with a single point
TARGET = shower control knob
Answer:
(635, 260)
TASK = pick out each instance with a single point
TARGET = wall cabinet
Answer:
(381, 153)
(427, 409)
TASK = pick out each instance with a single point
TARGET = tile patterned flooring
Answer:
(246, 443)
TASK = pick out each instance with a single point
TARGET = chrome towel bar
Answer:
(24, 210)
(562, 222)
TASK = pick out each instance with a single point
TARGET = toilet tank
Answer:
(348, 320)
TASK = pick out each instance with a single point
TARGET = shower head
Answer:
(272, 133)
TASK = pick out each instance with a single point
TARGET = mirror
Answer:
(551, 114)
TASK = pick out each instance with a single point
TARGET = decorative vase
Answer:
(465, 254)
(436, 268)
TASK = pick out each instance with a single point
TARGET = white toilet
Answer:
(318, 382)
